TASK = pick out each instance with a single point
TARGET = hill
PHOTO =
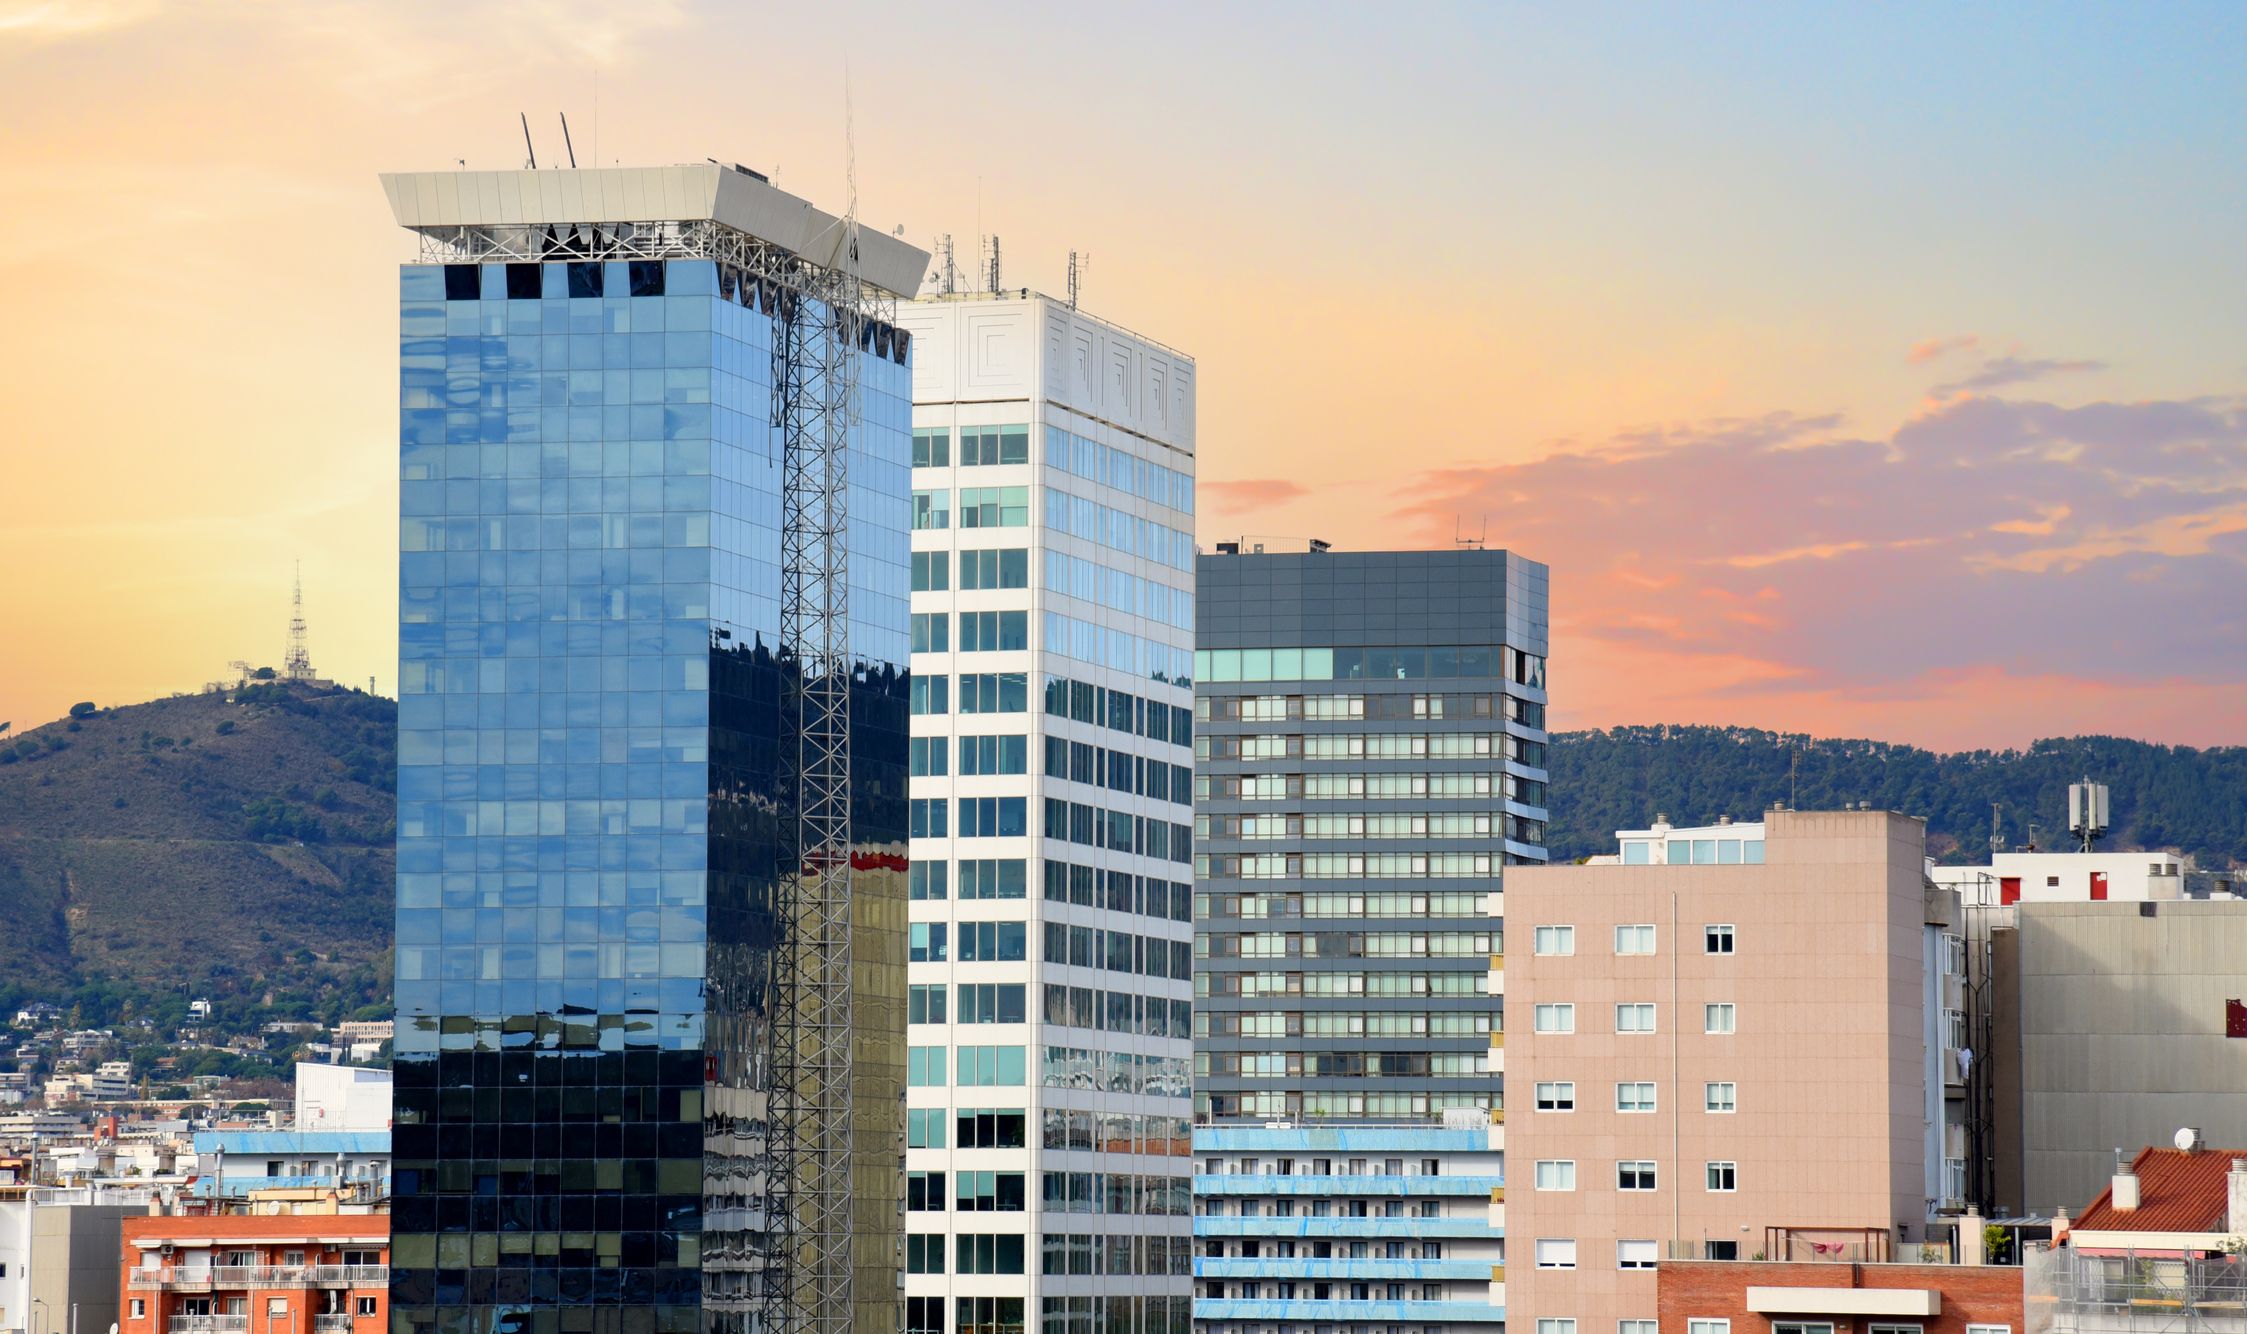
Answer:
(2193, 801)
(235, 847)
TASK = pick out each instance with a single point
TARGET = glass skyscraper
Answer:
(596, 733)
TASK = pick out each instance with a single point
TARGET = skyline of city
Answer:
(2016, 274)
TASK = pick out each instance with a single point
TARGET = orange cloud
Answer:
(1928, 349)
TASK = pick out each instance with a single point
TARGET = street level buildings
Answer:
(1052, 591)
(599, 723)
(282, 1273)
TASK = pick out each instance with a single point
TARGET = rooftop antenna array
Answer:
(297, 666)
(948, 274)
(1460, 539)
(1076, 276)
(1997, 829)
(2087, 811)
(992, 282)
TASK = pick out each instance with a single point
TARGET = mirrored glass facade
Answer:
(595, 809)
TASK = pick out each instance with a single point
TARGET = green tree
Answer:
(83, 709)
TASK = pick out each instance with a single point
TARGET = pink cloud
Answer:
(1929, 349)
(1252, 493)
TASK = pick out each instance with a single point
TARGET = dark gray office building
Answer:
(1370, 753)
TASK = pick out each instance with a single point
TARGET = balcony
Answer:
(208, 1324)
(181, 1278)
(338, 1322)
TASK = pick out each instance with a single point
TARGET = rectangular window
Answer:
(1556, 1325)
(929, 817)
(1636, 1096)
(931, 694)
(367, 1305)
(988, 446)
(932, 509)
(986, 755)
(1724, 1177)
(1894, 1329)
(1717, 938)
(924, 1127)
(1634, 1017)
(1635, 1255)
(924, 1252)
(1721, 1097)
(932, 447)
(140, 1307)
(927, 756)
(993, 506)
(1718, 1017)
(1635, 939)
(1707, 1326)
(1554, 940)
(927, 942)
(1556, 1174)
(1556, 1252)
(1802, 1327)
(1637, 1327)
(1989, 1329)
(1554, 1018)
(924, 1067)
(1557, 1097)
(932, 571)
(932, 630)
(924, 1004)
(993, 631)
(1000, 567)
(1635, 1174)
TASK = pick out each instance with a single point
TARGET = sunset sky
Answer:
(1871, 371)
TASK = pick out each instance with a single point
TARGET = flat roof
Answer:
(689, 192)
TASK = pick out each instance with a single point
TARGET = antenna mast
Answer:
(297, 666)
(994, 281)
(1074, 278)
(528, 147)
(567, 146)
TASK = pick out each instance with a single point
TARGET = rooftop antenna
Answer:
(950, 270)
(994, 289)
(1075, 278)
(527, 145)
(1460, 539)
(1997, 830)
(2087, 811)
(567, 146)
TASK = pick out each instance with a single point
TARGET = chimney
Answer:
(1970, 1248)
(2235, 1198)
(2124, 1193)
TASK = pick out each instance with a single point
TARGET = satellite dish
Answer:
(2187, 1139)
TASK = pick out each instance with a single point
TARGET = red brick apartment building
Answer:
(1836, 1297)
(255, 1274)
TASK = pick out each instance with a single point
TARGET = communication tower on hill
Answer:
(297, 666)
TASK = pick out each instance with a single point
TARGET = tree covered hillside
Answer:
(2177, 797)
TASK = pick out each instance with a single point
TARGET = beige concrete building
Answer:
(2125, 1030)
(1722, 1058)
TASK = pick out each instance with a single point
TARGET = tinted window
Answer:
(461, 283)
(647, 277)
(522, 282)
(585, 280)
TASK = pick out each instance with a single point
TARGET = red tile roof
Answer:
(2177, 1192)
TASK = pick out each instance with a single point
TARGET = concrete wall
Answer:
(2122, 1036)
(74, 1265)
(1971, 1294)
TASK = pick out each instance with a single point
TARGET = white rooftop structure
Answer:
(615, 213)
(1724, 843)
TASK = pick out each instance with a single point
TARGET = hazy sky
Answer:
(1872, 370)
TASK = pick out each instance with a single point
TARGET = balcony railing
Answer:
(339, 1322)
(2109, 1291)
(209, 1324)
(188, 1278)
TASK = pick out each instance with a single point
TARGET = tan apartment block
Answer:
(1715, 1061)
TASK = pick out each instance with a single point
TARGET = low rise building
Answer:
(342, 1098)
(232, 1164)
(1825, 1297)
(281, 1273)
(1349, 1227)
(2159, 1248)
(58, 1255)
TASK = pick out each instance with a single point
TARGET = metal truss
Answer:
(816, 335)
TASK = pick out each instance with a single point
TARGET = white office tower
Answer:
(1051, 920)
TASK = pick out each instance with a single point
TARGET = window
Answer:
(1635, 1255)
(1556, 1325)
(924, 1004)
(1556, 1252)
(1894, 1329)
(1004, 567)
(1706, 1326)
(984, 755)
(927, 942)
(1556, 1097)
(924, 1067)
(1720, 1250)
(1635, 1097)
(1636, 939)
(1717, 939)
(931, 694)
(924, 1253)
(1556, 1174)
(140, 1308)
(932, 447)
(1989, 1329)
(367, 1305)
(932, 509)
(993, 631)
(924, 1127)
(1634, 1174)
(1724, 1177)
(924, 1315)
(1721, 1097)
(1555, 1018)
(1637, 1017)
(1718, 1017)
(930, 817)
(1554, 940)
(985, 446)
(1637, 1327)
(994, 506)
(1802, 1327)
(932, 571)
(932, 631)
